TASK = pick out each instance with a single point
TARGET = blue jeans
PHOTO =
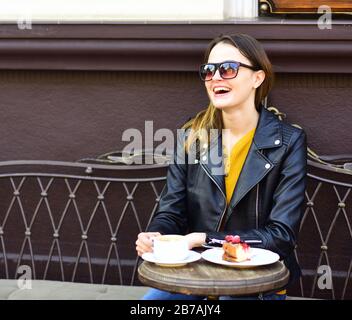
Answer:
(156, 294)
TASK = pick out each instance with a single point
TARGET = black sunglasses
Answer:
(227, 69)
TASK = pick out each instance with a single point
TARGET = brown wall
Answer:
(72, 115)
(68, 91)
(68, 115)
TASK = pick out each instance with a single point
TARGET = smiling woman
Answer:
(259, 192)
(110, 10)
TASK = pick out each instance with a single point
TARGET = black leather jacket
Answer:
(266, 204)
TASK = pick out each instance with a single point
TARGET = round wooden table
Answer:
(207, 279)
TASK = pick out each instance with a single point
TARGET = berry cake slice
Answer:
(235, 250)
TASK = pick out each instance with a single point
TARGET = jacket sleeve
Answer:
(170, 217)
(279, 234)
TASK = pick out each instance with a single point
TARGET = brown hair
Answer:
(211, 118)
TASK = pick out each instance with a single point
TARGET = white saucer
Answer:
(192, 256)
(259, 257)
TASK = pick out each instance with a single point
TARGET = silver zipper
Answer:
(257, 203)
(223, 213)
(257, 208)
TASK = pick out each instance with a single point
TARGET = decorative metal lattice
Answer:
(79, 222)
(324, 250)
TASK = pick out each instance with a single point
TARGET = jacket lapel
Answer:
(212, 160)
(268, 135)
(254, 169)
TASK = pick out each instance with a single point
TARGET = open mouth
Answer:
(220, 91)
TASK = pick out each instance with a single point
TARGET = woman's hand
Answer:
(195, 239)
(144, 242)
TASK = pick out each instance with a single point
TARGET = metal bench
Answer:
(77, 223)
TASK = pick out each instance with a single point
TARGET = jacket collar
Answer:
(268, 133)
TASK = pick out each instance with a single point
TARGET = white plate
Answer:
(259, 257)
(192, 256)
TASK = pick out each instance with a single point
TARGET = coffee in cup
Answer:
(171, 247)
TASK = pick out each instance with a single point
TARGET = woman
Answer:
(260, 193)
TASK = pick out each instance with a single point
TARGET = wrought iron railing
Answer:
(324, 251)
(79, 221)
(75, 221)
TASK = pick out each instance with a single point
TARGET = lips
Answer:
(220, 91)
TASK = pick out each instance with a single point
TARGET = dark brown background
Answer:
(69, 91)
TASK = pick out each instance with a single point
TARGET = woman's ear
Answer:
(259, 77)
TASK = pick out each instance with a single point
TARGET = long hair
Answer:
(211, 118)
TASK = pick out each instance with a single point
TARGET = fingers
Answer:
(191, 240)
(195, 239)
(144, 242)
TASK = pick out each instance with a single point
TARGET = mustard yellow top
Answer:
(234, 162)
(233, 166)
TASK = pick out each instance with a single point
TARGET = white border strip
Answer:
(110, 10)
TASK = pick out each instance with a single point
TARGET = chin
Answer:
(223, 102)
(222, 106)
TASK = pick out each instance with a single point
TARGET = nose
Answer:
(217, 75)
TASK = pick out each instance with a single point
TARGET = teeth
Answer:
(218, 89)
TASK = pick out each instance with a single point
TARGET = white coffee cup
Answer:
(171, 247)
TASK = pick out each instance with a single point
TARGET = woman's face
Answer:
(240, 89)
